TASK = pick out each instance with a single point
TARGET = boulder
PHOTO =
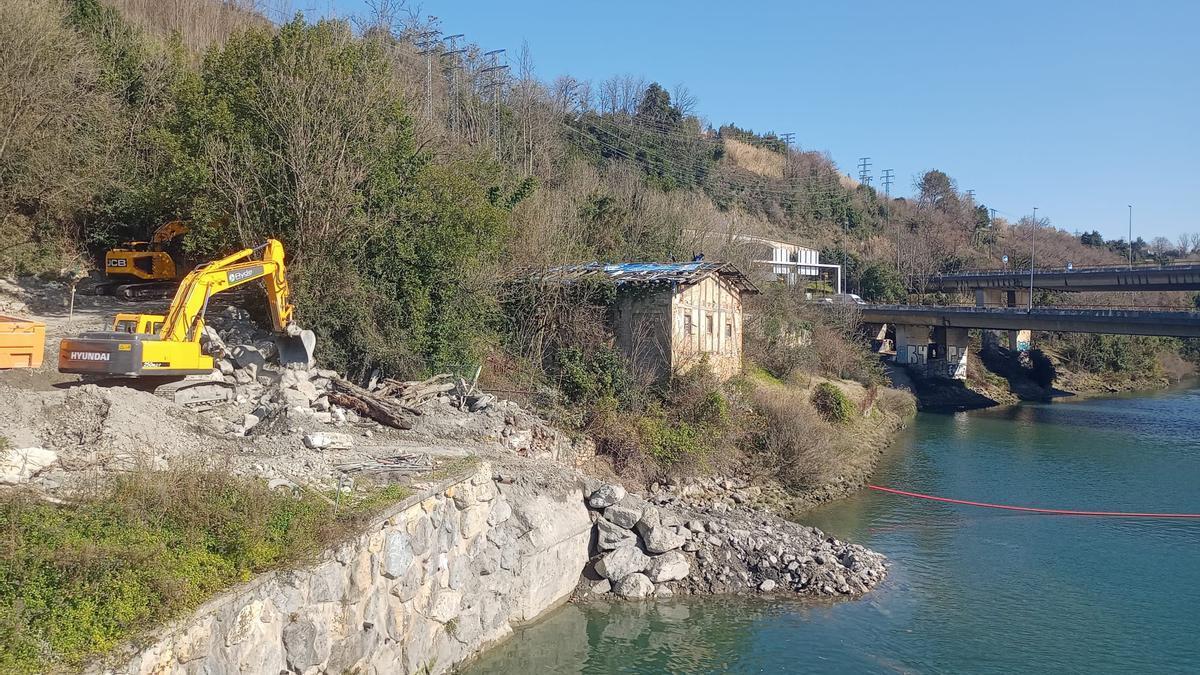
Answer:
(626, 512)
(245, 356)
(611, 536)
(635, 587)
(618, 564)
(657, 537)
(249, 421)
(295, 399)
(670, 566)
(308, 389)
(767, 586)
(481, 402)
(606, 496)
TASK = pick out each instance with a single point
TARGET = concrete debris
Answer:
(18, 465)
(323, 440)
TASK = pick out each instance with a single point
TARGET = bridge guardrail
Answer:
(1183, 266)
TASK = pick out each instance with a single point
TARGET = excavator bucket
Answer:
(297, 347)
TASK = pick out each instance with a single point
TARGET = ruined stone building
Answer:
(667, 317)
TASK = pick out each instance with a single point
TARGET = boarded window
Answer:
(708, 324)
(687, 325)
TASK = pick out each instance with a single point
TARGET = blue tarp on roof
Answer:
(685, 273)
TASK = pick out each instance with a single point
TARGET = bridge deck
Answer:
(1157, 278)
(1123, 322)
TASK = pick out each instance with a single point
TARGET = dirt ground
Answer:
(60, 435)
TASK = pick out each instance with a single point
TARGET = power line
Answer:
(453, 50)
(864, 170)
(497, 70)
(787, 139)
(887, 210)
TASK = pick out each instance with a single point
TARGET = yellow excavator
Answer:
(145, 269)
(168, 346)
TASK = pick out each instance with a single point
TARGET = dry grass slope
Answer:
(200, 23)
(757, 160)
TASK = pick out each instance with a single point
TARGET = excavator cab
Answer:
(138, 323)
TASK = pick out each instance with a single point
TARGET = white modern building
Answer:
(791, 263)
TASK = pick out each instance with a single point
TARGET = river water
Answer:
(970, 590)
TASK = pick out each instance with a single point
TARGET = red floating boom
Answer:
(1030, 509)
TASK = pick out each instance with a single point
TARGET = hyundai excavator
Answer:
(145, 269)
(168, 347)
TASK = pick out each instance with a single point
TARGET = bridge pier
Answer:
(1018, 340)
(912, 345)
(878, 333)
(950, 347)
(991, 297)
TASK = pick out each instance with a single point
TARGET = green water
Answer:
(970, 590)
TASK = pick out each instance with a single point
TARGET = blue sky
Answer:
(1077, 108)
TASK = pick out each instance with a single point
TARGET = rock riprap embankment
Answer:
(642, 549)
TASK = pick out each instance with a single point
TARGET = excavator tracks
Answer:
(197, 394)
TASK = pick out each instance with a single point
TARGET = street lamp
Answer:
(1131, 236)
(1032, 251)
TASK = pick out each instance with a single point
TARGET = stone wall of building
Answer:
(429, 585)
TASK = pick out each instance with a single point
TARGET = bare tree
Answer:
(1194, 239)
(684, 99)
(620, 94)
(1160, 246)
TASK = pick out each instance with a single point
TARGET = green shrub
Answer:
(587, 378)
(77, 579)
(671, 444)
(832, 403)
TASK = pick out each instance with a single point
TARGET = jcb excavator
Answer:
(145, 269)
(169, 347)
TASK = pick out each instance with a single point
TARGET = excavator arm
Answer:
(168, 232)
(185, 317)
(173, 349)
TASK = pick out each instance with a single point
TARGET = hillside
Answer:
(406, 192)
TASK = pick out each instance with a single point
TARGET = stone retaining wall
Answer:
(443, 575)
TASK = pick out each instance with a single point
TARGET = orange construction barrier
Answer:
(22, 342)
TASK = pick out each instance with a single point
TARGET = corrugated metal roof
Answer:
(682, 273)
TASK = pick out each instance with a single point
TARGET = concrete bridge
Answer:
(935, 338)
(1179, 277)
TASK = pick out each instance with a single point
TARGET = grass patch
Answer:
(78, 579)
(832, 403)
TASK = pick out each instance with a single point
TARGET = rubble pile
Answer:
(248, 358)
(644, 549)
